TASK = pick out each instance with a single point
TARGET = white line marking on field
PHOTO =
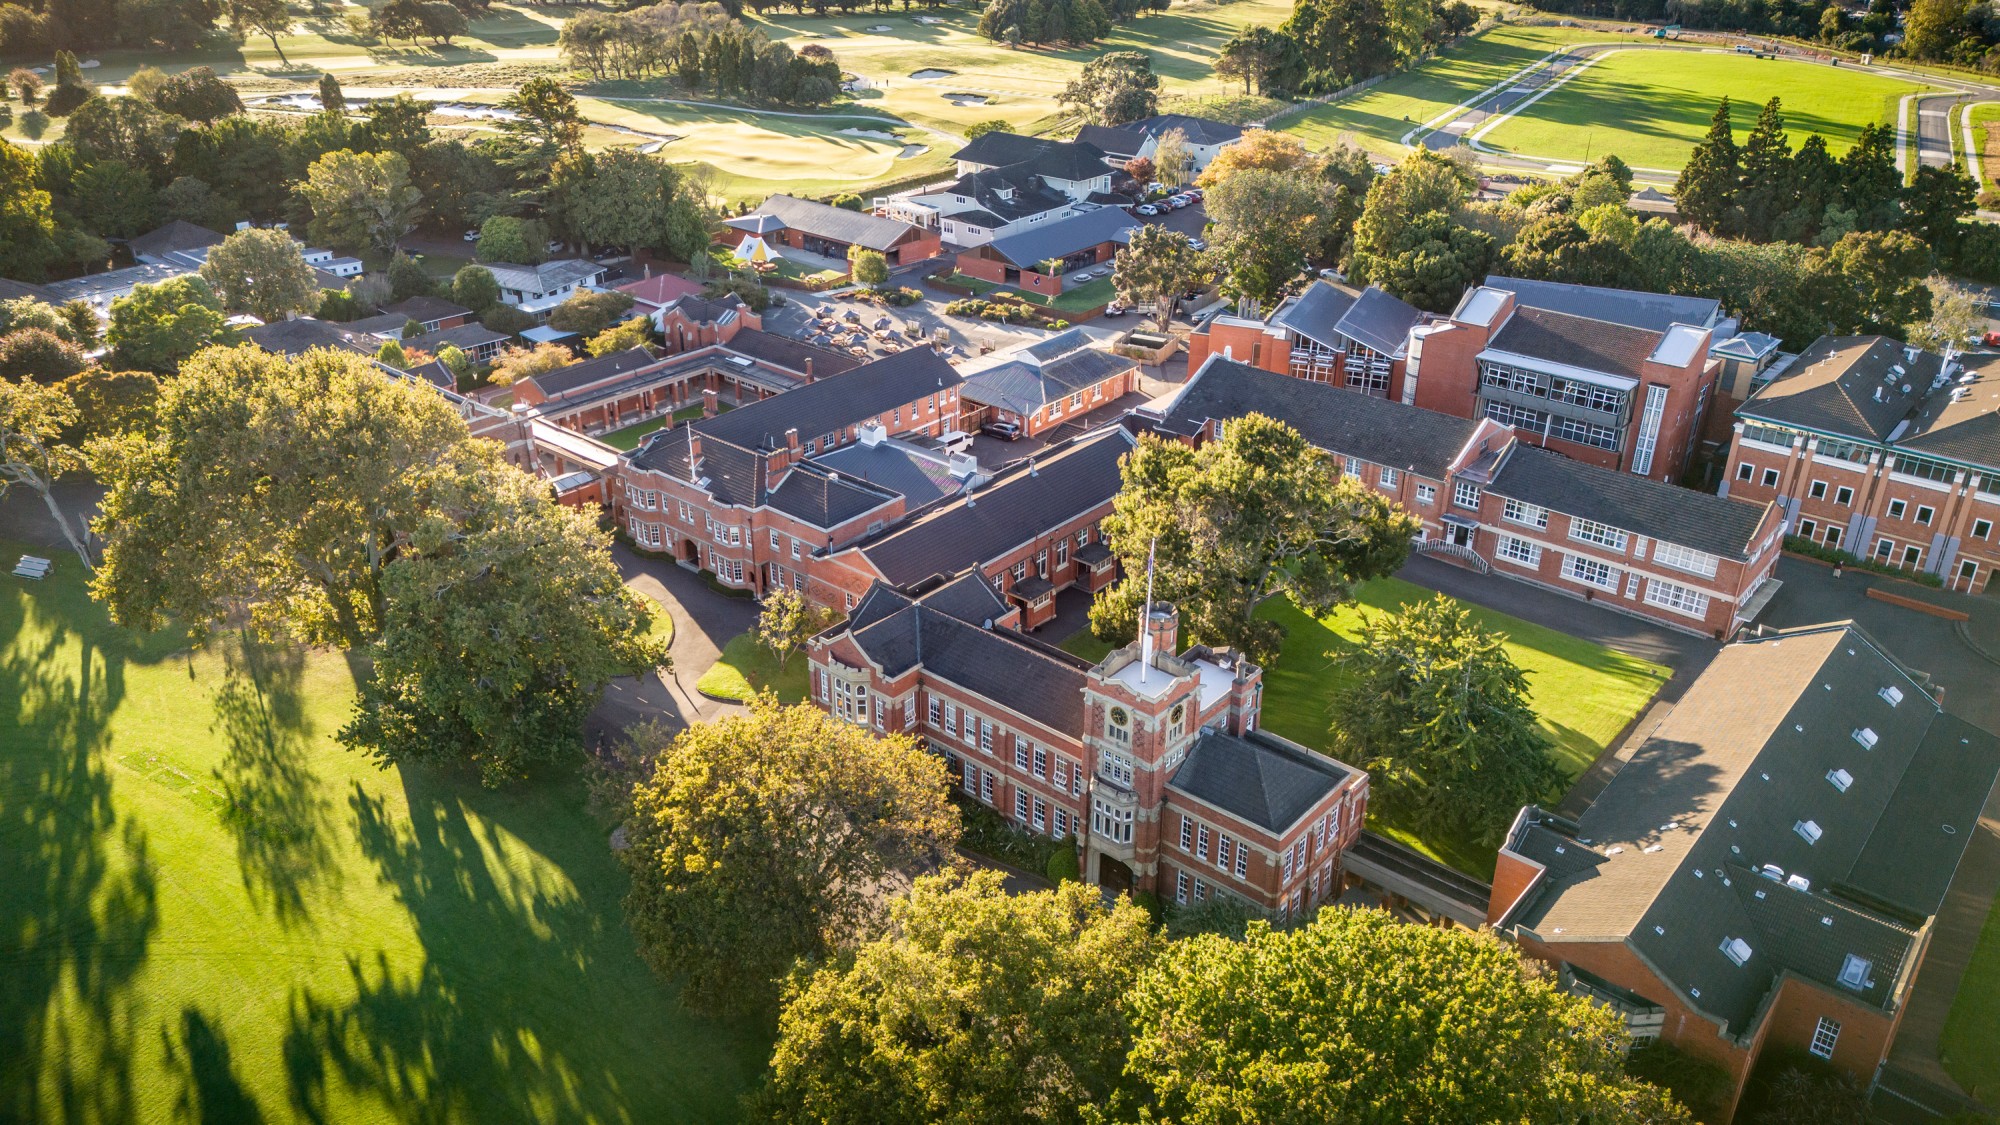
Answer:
(1497, 120)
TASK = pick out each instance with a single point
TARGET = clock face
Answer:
(1180, 712)
(1118, 717)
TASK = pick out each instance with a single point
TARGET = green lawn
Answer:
(1585, 694)
(1986, 139)
(1379, 118)
(1970, 1049)
(1084, 643)
(211, 911)
(1652, 115)
(630, 437)
(747, 668)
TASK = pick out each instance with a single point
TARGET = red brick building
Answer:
(1151, 761)
(1767, 869)
(1072, 245)
(1045, 384)
(831, 232)
(626, 388)
(1881, 450)
(1328, 334)
(1490, 500)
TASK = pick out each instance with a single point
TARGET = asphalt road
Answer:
(1936, 118)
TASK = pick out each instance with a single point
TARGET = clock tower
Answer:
(1139, 720)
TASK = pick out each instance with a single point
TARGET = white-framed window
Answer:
(774, 539)
(1680, 599)
(1389, 477)
(1062, 772)
(1187, 834)
(986, 787)
(1684, 558)
(1818, 490)
(1590, 531)
(1925, 514)
(1770, 478)
(970, 733)
(1745, 470)
(935, 709)
(1352, 466)
(1021, 805)
(1843, 496)
(1062, 822)
(1112, 823)
(1649, 429)
(1590, 572)
(1825, 1034)
(1465, 494)
(1982, 528)
(1224, 849)
(971, 779)
(1020, 755)
(1285, 867)
(1242, 861)
(1041, 815)
(1116, 768)
(1520, 551)
(1201, 842)
(1041, 762)
(1181, 887)
(1897, 508)
(1529, 514)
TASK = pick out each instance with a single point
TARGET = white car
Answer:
(1198, 244)
(472, 236)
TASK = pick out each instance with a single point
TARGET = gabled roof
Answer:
(1025, 380)
(1029, 248)
(424, 307)
(1038, 681)
(174, 237)
(463, 337)
(836, 224)
(702, 310)
(1703, 836)
(1380, 321)
(1007, 193)
(1261, 779)
(825, 405)
(576, 376)
(1199, 130)
(1316, 313)
(1115, 140)
(1577, 341)
(1961, 420)
(545, 277)
(998, 149)
(1333, 418)
(1849, 386)
(13, 290)
(296, 337)
(660, 288)
(824, 499)
(1055, 486)
(1630, 307)
(914, 473)
(1720, 525)
(970, 598)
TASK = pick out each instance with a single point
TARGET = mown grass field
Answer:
(747, 667)
(1651, 108)
(210, 911)
(1378, 118)
(1970, 1048)
(1986, 140)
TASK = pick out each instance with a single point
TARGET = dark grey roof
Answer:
(563, 380)
(1258, 778)
(1006, 194)
(381, 324)
(898, 467)
(1334, 419)
(12, 290)
(463, 337)
(1683, 834)
(436, 374)
(999, 149)
(978, 217)
(837, 224)
(1380, 321)
(825, 405)
(1043, 683)
(1052, 369)
(1577, 341)
(1961, 420)
(823, 499)
(1719, 525)
(1115, 140)
(790, 354)
(702, 310)
(1832, 387)
(1064, 237)
(881, 600)
(1315, 313)
(969, 597)
(296, 337)
(1654, 312)
(424, 307)
(172, 237)
(1057, 486)
(1199, 130)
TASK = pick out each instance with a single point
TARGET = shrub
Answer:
(848, 200)
(1062, 866)
(1799, 545)
(1696, 1083)
(987, 833)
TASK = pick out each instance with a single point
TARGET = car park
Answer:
(1005, 431)
(955, 441)
(1146, 209)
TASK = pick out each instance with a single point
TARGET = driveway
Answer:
(704, 621)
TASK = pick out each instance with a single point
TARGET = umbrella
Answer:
(753, 249)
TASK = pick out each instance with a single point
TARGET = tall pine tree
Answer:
(1706, 191)
(1768, 189)
(1816, 181)
(1870, 180)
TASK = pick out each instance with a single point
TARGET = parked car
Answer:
(1146, 209)
(1331, 274)
(1198, 243)
(472, 236)
(955, 441)
(1114, 309)
(1993, 339)
(1193, 194)
(1005, 431)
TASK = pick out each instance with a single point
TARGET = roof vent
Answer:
(1808, 830)
(1865, 736)
(1841, 779)
(1694, 992)
(1898, 371)
(1893, 694)
(1660, 930)
(1800, 727)
(1798, 882)
(1772, 871)
(1736, 949)
(1826, 919)
(1670, 826)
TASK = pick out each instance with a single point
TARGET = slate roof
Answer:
(915, 474)
(1115, 140)
(1577, 341)
(788, 353)
(824, 499)
(426, 308)
(1005, 194)
(824, 405)
(544, 278)
(378, 325)
(1961, 420)
(969, 597)
(999, 149)
(1199, 130)
(1057, 485)
(1653, 312)
(1059, 366)
(836, 224)
(1380, 321)
(1682, 836)
(1334, 419)
(1064, 237)
(701, 310)
(563, 380)
(465, 337)
(1258, 778)
(1043, 683)
(296, 337)
(1831, 387)
(173, 237)
(1719, 525)
(1316, 313)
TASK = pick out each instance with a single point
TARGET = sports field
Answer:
(211, 912)
(1378, 118)
(1985, 141)
(1650, 107)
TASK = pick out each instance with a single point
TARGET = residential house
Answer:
(1006, 183)
(1767, 870)
(479, 343)
(537, 290)
(1882, 450)
(1152, 760)
(1205, 139)
(832, 232)
(99, 290)
(1038, 258)
(654, 291)
(687, 323)
(300, 335)
(433, 313)
(1488, 499)
(177, 243)
(1041, 385)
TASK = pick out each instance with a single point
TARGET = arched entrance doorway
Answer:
(1113, 875)
(690, 553)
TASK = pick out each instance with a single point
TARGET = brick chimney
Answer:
(1163, 625)
(809, 369)
(1246, 698)
(709, 402)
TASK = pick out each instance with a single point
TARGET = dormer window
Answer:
(1865, 736)
(1854, 972)
(1808, 830)
(1840, 779)
(1893, 694)
(1736, 949)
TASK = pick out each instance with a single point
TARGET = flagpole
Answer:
(1146, 616)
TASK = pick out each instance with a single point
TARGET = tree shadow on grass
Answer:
(529, 1003)
(77, 885)
(275, 807)
(211, 1093)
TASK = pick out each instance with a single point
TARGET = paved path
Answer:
(1934, 128)
(703, 622)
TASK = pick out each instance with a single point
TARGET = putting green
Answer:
(1651, 107)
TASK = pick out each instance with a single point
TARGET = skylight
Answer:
(1736, 949)
(1854, 972)
(1808, 831)
(1865, 736)
(1893, 694)
(1841, 779)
